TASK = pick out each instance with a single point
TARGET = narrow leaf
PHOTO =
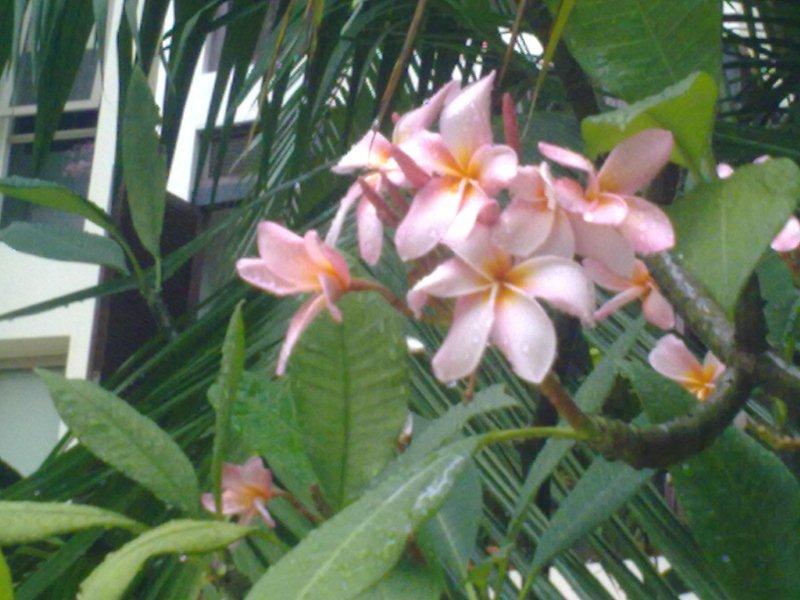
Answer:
(6, 585)
(354, 549)
(406, 581)
(64, 244)
(22, 522)
(600, 492)
(55, 196)
(224, 390)
(350, 385)
(741, 502)
(686, 109)
(119, 435)
(144, 166)
(723, 228)
(110, 580)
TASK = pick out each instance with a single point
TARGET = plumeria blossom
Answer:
(673, 360)
(372, 154)
(497, 303)
(469, 170)
(289, 264)
(640, 286)
(534, 221)
(788, 238)
(246, 491)
(609, 196)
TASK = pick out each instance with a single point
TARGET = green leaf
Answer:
(741, 502)
(634, 49)
(22, 522)
(449, 536)
(119, 435)
(144, 167)
(590, 398)
(723, 228)
(110, 580)
(350, 385)
(686, 109)
(406, 582)
(780, 297)
(225, 388)
(6, 585)
(354, 549)
(266, 419)
(65, 244)
(55, 196)
(602, 490)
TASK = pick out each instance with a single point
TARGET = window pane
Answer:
(28, 421)
(69, 163)
(24, 92)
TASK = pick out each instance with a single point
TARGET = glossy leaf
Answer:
(144, 167)
(723, 228)
(404, 582)
(602, 490)
(224, 390)
(448, 537)
(349, 382)
(634, 49)
(354, 549)
(52, 195)
(741, 502)
(265, 417)
(110, 580)
(22, 522)
(6, 585)
(119, 435)
(686, 109)
(64, 244)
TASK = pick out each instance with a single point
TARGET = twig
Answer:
(562, 401)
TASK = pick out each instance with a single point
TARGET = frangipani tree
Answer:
(358, 444)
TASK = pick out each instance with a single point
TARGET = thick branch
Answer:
(660, 446)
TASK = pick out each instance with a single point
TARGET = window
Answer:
(69, 163)
(237, 167)
(29, 423)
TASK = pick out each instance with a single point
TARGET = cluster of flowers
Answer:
(504, 258)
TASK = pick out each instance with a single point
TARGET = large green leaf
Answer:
(723, 228)
(635, 48)
(64, 244)
(224, 390)
(590, 396)
(265, 417)
(780, 297)
(686, 109)
(110, 580)
(449, 535)
(354, 549)
(350, 385)
(602, 490)
(22, 522)
(6, 585)
(119, 435)
(55, 196)
(144, 167)
(406, 582)
(741, 502)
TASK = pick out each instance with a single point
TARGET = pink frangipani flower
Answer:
(640, 286)
(373, 155)
(468, 171)
(788, 238)
(246, 491)
(289, 264)
(533, 221)
(673, 360)
(609, 196)
(497, 303)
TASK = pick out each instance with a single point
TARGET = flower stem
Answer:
(562, 401)
(527, 433)
(364, 285)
